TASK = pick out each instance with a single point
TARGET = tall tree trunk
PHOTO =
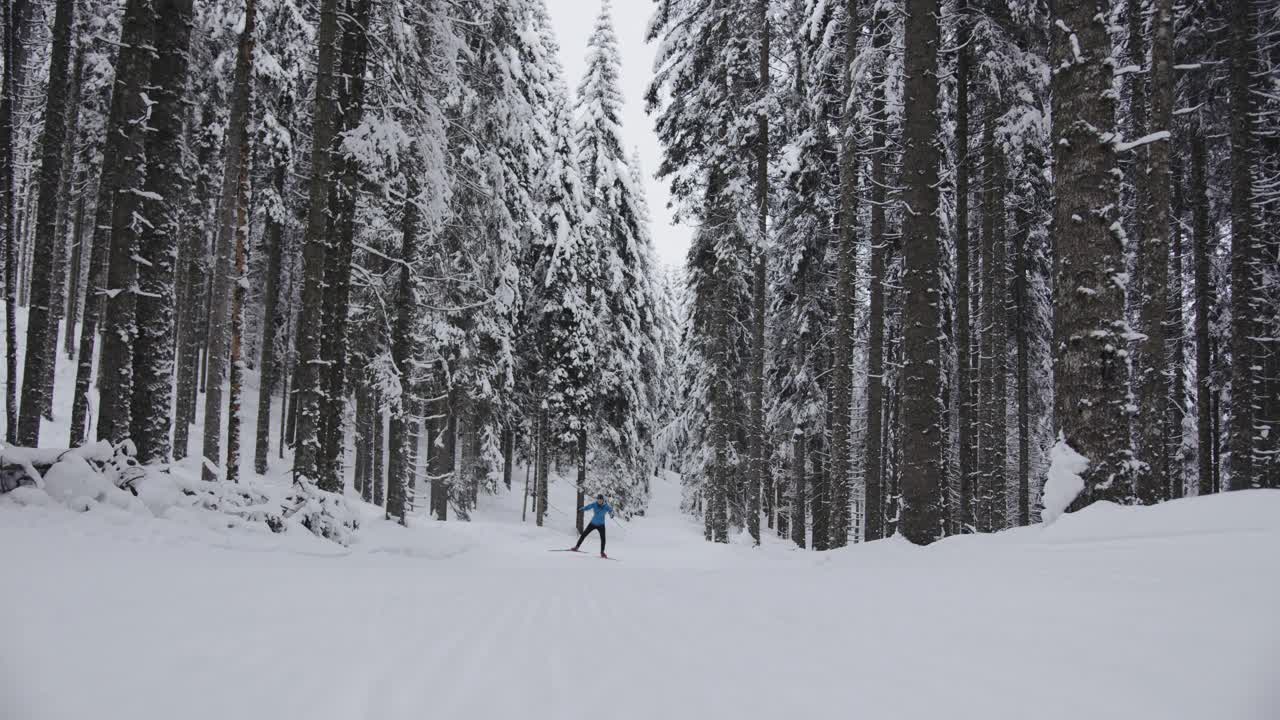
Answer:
(544, 467)
(1203, 262)
(13, 39)
(59, 282)
(225, 249)
(582, 476)
(39, 351)
(166, 193)
(992, 472)
(1155, 382)
(799, 489)
(269, 365)
(756, 473)
(922, 431)
(402, 432)
(1023, 318)
(377, 459)
(120, 329)
(873, 464)
(242, 103)
(845, 297)
(75, 286)
(965, 375)
(307, 384)
(337, 296)
(1090, 374)
(1241, 26)
(192, 265)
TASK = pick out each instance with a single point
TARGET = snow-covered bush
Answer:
(101, 475)
(326, 514)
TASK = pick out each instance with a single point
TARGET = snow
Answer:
(1112, 612)
(1064, 482)
(167, 605)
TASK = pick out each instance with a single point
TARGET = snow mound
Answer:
(1064, 484)
(101, 478)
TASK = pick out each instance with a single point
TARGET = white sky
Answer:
(573, 21)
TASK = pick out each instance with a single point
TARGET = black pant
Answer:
(587, 532)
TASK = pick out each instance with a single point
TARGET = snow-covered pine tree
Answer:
(701, 93)
(616, 225)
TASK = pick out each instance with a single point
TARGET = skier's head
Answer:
(599, 498)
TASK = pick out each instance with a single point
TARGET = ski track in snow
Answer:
(1160, 613)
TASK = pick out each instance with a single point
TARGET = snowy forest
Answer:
(957, 266)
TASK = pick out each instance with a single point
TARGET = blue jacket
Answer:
(598, 511)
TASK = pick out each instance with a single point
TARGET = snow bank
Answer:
(1064, 484)
(98, 477)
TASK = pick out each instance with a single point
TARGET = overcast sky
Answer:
(573, 20)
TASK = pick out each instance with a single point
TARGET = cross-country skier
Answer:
(598, 510)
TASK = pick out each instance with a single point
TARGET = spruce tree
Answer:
(923, 473)
(40, 354)
(164, 196)
(1089, 327)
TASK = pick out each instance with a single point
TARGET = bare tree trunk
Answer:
(1155, 382)
(1242, 24)
(965, 374)
(799, 488)
(1089, 373)
(992, 473)
(308, 387)
(922, 429)
(243, 102)
(75, 287)
(39, 351)
(403, 352)
(153, 349)
(223, 279)
(839, 482)
(192, 322)
(269, 364)
(13, 39)
(337, 295)
(582, 477)
(59, 280)
(1203, 254)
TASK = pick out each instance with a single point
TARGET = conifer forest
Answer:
(955, 266)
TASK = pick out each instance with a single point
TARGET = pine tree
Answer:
(873, 465)
(241, 111)
(1241, 25)
(1089, 322)
(308, 381)
(118, 171)
(163, 198)
(616, 224)
(967, 438)
(923, 473)
(1156, 384)
(40, 352)
(842, 352)
(13, 40)
(992, 483)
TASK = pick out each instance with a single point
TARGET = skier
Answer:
(598, 510)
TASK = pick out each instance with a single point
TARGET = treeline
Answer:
(944, 244)
(392, 213)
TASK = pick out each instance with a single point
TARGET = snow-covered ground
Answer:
(1136, 614)
(1159, 613)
